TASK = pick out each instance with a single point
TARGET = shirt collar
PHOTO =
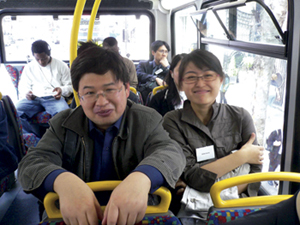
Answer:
(93, 126)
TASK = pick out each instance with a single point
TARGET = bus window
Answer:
(131, 31)
(185, 31)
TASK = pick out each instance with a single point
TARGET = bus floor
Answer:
(17, 207)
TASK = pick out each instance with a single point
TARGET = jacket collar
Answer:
(190, 116)
(81, 125)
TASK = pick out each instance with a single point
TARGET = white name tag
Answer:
(158, 71)
(205, 153)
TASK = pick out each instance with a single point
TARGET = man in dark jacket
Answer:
(106, 138)
(151, 73)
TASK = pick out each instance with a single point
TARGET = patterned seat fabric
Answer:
(148, 220)
(15, 74)
(224, 216)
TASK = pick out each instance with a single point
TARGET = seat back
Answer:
(226, 210)
(157, 214)
(15, 133)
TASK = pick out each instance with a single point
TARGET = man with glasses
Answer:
(151, 73)
(106, 138)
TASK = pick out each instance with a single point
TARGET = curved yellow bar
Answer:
(133, 90)
(74, 37)
(156, 89)
(92, 19)
(251, 178)
(54, 213)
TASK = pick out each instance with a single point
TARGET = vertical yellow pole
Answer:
(92, 19)
(74, 37)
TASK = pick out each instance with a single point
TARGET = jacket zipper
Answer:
(83, 158)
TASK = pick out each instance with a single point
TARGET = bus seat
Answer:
(15, 73)
(16, 136)
(138, 94)
(225, 211)
(133, 90)
(157, 214)
(153, 92)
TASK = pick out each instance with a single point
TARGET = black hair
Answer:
(84, 45)
(157, 44)
(110, 41)
(40, 46)
(98, 60)
(170, 81)
(202, 59)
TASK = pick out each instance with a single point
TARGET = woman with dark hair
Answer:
(171, 97)
(218, 140)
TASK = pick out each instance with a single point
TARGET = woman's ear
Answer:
(171, 73)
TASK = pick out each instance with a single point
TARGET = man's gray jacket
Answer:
(141, 141)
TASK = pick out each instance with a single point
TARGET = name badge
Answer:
(158, 71)
(205, 153)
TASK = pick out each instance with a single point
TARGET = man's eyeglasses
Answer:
(191, 79)
(163, 51)
(91, 97)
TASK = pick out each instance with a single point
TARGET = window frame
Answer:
(70, 12)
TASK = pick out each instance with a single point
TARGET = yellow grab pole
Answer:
(92, 19)
(74, 37)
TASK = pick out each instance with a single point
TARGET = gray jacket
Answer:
(229, 129)
(141, 141)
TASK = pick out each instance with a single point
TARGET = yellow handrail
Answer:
(133, 90)
(74, 37)
(251, 178)
(92, 19)
(54, 213)
(75, 30)
(156, 89)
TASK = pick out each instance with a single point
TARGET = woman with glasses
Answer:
(171, 97)
(218, 140)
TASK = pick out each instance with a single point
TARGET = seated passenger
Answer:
(171, 97)
(43, 84)
(209, 134)
(112, 44)
(151, 73)
(102, 139)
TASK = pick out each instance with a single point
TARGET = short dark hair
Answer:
(84, 45)
(40, 46)
(157, 44)
(98, 60)
(201, 59)
(110, 41)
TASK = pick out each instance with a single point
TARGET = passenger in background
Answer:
(106, 138)
(112, 44)
(151, 73)
(218, 140)
(171, 97)
(43, 84)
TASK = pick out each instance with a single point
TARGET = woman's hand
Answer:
(253, 154)
(180, 187)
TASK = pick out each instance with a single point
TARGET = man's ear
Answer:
(153, 52)
(127, 89)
